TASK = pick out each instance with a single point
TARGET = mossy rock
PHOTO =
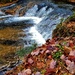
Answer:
(66, 28)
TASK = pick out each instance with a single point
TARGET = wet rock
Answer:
(1, 13)
(7, 67)
(13, 10)
(25, 8)
(11, 42)
(4, 3)
(73, 1)
(7, 42)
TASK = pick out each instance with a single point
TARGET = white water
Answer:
(37, 36)
(43, 20)
(44, 24)
(33, 19)
(5, 16)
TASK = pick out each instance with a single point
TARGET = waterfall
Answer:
(39, 21)
(50, 16)
(43, 18)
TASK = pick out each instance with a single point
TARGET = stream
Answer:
(37, 22)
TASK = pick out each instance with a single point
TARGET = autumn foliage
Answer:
(52, 58)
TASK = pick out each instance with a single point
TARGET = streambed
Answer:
(34, 25)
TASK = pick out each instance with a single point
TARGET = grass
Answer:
(57, 55)
(27, 50)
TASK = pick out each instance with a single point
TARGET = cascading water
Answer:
(50, 16)
(40, 21)
(44, 18)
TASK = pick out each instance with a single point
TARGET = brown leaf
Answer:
(40, 65)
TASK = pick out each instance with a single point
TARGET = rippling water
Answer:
(39, 21)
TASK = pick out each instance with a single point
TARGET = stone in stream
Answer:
(7, 42)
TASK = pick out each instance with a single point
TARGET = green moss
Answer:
(60, 47)
(57, 55)
(43, 71)
(65, 74)
(26, 50)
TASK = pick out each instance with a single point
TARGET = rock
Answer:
(13, 10)
(73, 1)
(7, 2)
(7, 42)
(28, 6)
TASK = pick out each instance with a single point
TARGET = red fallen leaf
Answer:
(37, 73)
(50, 71)
(72, 58)
(72, 53)
(63, 57)
(28, 56)
(30, 60)
(49, 57)
(52, 64)
(25, 72)
(27, 65)
(70, 66)
(51, 48)
(50, 41)
(48, 51)
(67, 62)
(71, 44)
(42, 51)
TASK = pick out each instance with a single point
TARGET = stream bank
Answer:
(36, 21)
